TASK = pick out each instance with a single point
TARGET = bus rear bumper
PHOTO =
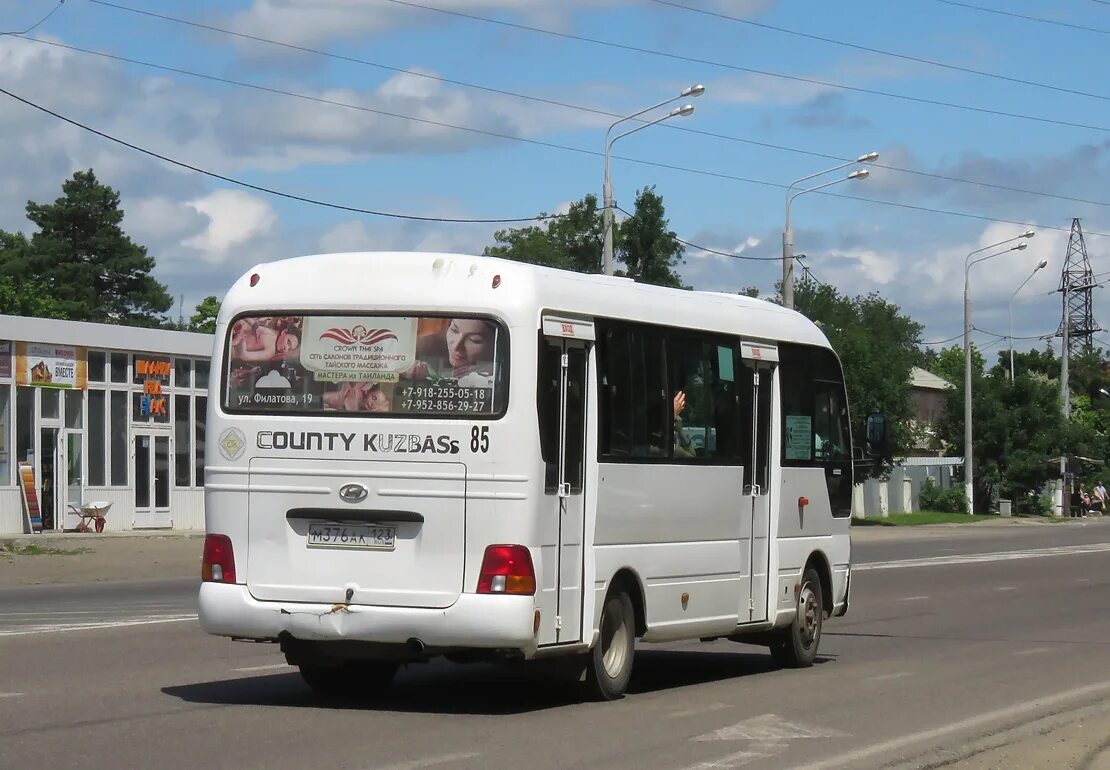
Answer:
(474, 621)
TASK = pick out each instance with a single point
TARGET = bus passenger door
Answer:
(563, 375)
(759, 362)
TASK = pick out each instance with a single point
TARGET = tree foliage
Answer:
(83, 260)
(204, 319)
(877, 346)
(642, 243)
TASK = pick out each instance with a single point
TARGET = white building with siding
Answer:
(94, 414)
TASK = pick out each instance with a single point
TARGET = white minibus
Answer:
(420, 454)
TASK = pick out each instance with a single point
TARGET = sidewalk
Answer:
(86, 558)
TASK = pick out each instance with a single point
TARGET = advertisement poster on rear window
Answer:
(365, 364)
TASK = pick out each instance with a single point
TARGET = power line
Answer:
(1023, 16)
(1007, 336)
(750, 70)
(713, 251)
(268, 190)
(31, 28)
(552, 102)
(549, 145)
(893, 54)
(941, 342)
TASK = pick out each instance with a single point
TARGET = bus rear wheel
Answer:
(350, 679)
(610, 666)
(797, 646)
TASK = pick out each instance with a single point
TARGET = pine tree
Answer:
(90, 267)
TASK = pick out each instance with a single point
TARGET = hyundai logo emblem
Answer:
(353, 493)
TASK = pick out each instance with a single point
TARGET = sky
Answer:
(460, 109)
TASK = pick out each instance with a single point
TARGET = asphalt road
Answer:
(953, 637)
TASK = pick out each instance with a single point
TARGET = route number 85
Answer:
(479, 439)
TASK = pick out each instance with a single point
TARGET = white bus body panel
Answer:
(677, 528)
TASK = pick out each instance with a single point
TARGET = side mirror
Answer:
(878, 435)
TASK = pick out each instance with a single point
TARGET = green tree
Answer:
(877, 345)
(1018, 429)
(27, 298)
(87, 263)
(204, 319)
(648, 250)
(948, 364)
(570, 242)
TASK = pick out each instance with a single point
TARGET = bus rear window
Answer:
(370, 365)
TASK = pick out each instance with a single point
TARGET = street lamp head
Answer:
(1103, 391)
(1041, 265)
(1027, 234)
(1019, 247)
(683, 111)
(868, 158)
(859, 173)
(697, 90)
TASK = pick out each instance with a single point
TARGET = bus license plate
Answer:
(368, 536)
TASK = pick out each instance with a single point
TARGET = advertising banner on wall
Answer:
(50, 366)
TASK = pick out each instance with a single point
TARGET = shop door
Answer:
(70, 478)
(51, 502)
(151, 457)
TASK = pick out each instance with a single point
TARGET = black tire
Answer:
(610, 661)
(349, 680)
(797, 645)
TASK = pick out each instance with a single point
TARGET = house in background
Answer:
(927, 396)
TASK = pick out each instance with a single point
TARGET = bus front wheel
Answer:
(610, 666)
(797, 645)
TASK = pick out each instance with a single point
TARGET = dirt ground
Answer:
(93, 558)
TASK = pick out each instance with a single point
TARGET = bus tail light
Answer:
(218, 562)
(507, 569)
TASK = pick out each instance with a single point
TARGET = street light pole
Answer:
(1043, 263)
(607, 187)
(788, 229)
(969, 486)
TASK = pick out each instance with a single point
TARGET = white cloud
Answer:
(235, 217)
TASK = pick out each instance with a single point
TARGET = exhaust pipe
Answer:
(415, 646)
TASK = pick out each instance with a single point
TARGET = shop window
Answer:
(50, 404)
(25, 424)
(75, 401)
(97, 423)
(97, 365)
(183, 456)
(119, 367)
(198, 422)
(183, 372)
(118, 432)
(5, 435)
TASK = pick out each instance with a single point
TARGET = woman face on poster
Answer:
(469, 342)
(358, 397)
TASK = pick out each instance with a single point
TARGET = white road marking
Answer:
(416, 764)
(1034, 651)
(978, 558)
(1029, 709)
(61, 627)
(768, 727)
(738, 759)
(11, 695)
(913, 598)
(262, 668)
(897, 675)
(1006, 588)
(699, 710)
